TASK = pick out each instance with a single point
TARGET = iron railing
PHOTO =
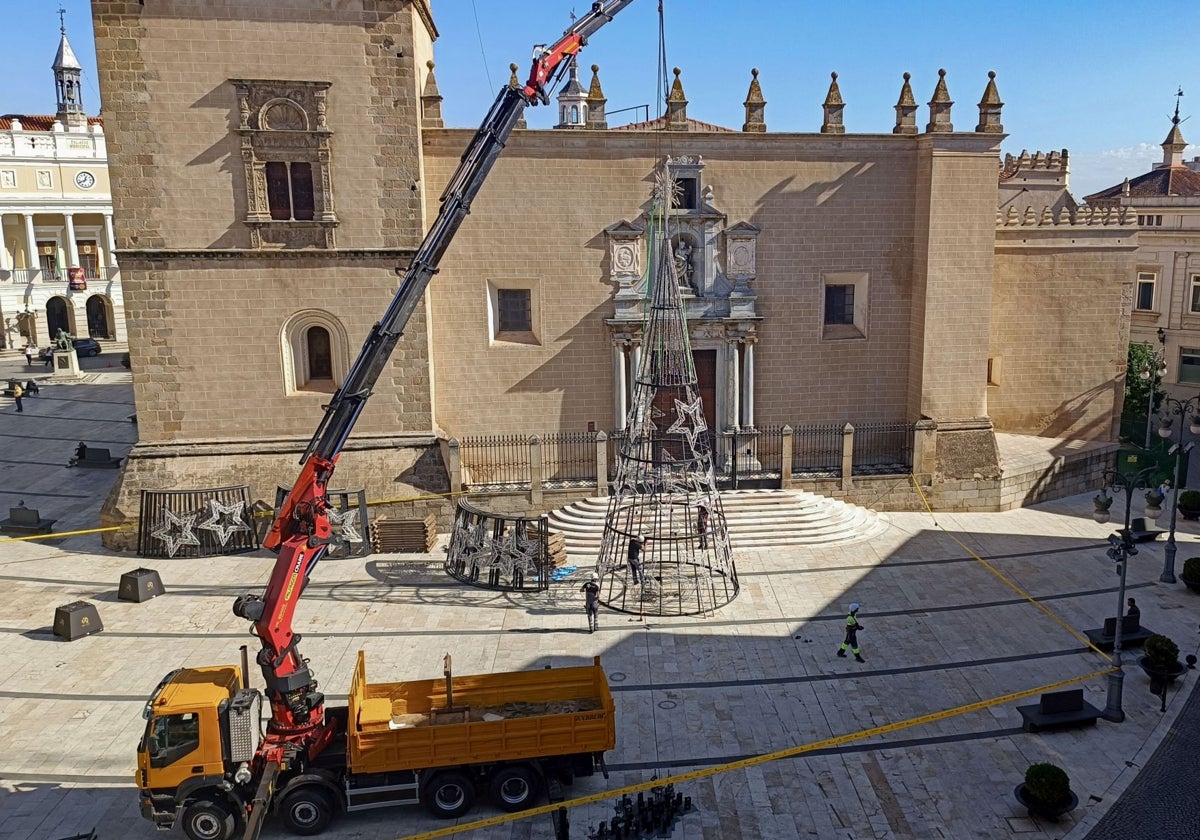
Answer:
(496, 461)
(817, 451)
(883, 449)
(568, 459)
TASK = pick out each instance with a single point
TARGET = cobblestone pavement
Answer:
(942, 632)
(1162, 804)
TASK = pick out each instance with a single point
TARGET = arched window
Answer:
(320, 360)
(315, 353)
(574, 115)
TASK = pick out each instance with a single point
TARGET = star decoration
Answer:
(176, 530)
(343, 522)
(514, 552)
(224, 520)
(689, 420)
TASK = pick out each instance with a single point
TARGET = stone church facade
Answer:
(266, 197)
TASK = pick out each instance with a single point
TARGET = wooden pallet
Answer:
(404, 535)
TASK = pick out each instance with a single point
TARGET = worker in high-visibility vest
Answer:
(852, 628)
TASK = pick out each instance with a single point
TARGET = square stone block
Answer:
(140, 585)
(75, 620)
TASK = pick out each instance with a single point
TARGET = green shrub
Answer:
(1191, 569)
(1190, 499)
(1048, 784)
(1162, 654)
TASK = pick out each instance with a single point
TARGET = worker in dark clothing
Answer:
(591, 601)
(702, 526)
(635, 556)
(1133, 608)
(851, 640)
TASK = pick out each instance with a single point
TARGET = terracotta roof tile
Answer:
(1175, 180)
(38, 122)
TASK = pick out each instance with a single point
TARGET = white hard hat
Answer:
(595, 576)
(854, 608)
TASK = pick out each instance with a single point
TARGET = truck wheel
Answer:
(307, 811)
(449, 794)
(208, 820)
(515, 788)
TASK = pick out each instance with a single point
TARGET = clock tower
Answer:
(67, 72)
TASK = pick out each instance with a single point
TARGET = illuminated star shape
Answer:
(224, 520)
(689, 420)
(343, 522)
(176, 530)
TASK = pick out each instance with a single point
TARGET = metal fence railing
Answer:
(568, 459)
(496, 461)
(817, 450)
(882, 448)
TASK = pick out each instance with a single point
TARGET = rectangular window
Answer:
(839, 304)
(1195, 307)
(1150, 221)
(1189, 365)
(48, 260)
(290, 191)
(687, 194)
(515, 310)
(89, 259)
(1145, 290)
(993, 371)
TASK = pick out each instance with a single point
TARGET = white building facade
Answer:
(57, 263)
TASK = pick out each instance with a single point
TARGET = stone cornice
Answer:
(129, 257)
(422, 7)
(278, 446)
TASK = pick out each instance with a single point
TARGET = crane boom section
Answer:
(301, 530)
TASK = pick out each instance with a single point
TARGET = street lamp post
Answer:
(1183, 409)
(1121, 548)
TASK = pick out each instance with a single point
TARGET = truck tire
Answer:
(449, 794)
(204, 819)
(307, 810)
(515, 787)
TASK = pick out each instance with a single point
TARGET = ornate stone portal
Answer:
(716, 265)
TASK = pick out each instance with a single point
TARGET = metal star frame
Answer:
(176, 531)
(343, 523)
(689, 420)
(513, 552)
(224, 520)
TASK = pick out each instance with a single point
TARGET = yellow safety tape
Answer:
(789, 752)
(59, 534)
(1011, 584)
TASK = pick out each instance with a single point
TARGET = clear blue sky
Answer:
(1097, 78)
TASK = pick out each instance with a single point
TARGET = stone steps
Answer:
(755, 518)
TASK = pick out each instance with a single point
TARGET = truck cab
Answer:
(190, 755)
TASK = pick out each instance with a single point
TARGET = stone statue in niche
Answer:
(683, 265)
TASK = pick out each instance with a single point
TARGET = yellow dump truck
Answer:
(443, 743)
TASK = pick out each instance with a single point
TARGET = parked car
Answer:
(83, 347)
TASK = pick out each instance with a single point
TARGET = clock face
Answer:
(85, 180)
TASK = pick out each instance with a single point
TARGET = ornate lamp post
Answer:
(1121, 548)
(1183, 409)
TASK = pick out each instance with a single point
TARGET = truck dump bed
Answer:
(495, 717)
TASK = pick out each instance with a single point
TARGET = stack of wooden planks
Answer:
(404, 535)
(556, 544)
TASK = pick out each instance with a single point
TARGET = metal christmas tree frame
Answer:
(665, 491)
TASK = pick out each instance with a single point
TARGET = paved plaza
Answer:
(942, 631)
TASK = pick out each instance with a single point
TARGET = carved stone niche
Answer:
(285, 122)
(742, 250)
(625, 259)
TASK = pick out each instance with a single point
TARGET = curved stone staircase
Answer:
(756, 519)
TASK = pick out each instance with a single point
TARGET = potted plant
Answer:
(1161, 659)
(1189, 504)
(1191, 573)
(1154, 503)
(1046, 791)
